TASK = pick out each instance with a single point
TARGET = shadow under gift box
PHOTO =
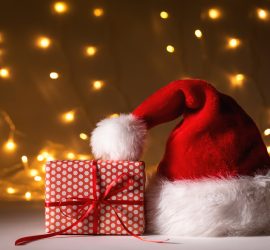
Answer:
(114, 188)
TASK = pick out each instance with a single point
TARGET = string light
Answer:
(267, 132)
(237, 80)
(198, 34)
(37, 178)
(268, 149)
(10, 145)
(54, 75)
(97, 85)
(170, 48)
(83, 136)
(233, 43)
(40, 158)
(43, 42)
(214, 13)
(4, 73)
(24, 159)
(164, 14)
(28, 196)
(262, 14)
(10, 190)
(69, 116)
(33, 172)
(98, 12)
(70, 155)
(60, 7)
(90, 50)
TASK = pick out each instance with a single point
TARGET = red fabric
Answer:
(215, 138)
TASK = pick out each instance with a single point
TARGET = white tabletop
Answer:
(19, 219)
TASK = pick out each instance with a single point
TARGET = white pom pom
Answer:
(120, 138)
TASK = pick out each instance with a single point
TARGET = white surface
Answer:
(23, 219)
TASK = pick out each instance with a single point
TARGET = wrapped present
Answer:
(94, 197)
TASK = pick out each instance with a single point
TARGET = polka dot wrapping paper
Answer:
(66, 179)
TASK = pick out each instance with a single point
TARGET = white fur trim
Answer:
(120, 138)
(209, 207)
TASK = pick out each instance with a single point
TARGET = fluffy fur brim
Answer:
(209, 207)
(119, 138)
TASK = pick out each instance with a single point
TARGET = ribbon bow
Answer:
(89, 205)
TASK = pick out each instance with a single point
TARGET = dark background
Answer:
(132, 60)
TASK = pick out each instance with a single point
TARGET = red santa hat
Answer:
(214, 178)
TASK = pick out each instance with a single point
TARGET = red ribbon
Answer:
(88, 205)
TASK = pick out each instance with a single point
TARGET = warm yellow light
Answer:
(60, 7)
(10, 145)
(33, 172)
(37, 178)
(69, 116)
(115, 115)
(24, 159)
(214, 13)
(84, 157)
(28, 196)
(267, 132)
(83, 136)
(164, 14)
(54, 75)
(90, 50)
(97, 85)
(4, 73)
(170, 48)
(198, 33)
(50, 158)
(233, 43)
(70, 155)
(268, 149)
(98, 12)
(43, 42)
(237, 80)
(11, 190)
(262, 14)
(40, 157)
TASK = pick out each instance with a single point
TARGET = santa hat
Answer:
(214, 178)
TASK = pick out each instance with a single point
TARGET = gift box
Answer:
(94, 197)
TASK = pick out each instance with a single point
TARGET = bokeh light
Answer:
(98, 12)
(267, 132)
(233, 43)
(198, 33)
(4, 73)
(237, 80)
(262, 14)
(97, 85)
(164, 14)
(90, 50)
(83, 136)
(43, 42)
(69, 116)
(60, 7)
(170, 49)
(54, 75)
(10, 145)
(214, 13)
